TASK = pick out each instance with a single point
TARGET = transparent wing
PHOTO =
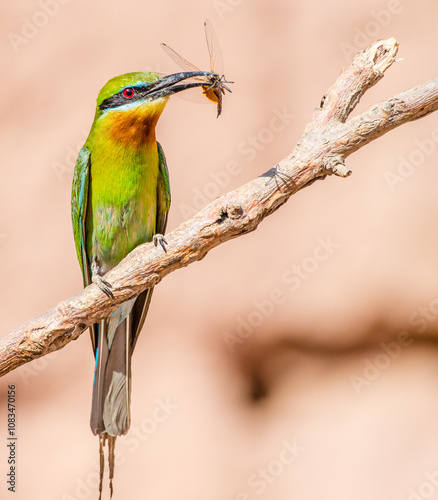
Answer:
(214, 49)
(194, 95)
(180, 60)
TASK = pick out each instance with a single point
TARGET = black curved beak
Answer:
(168, 84)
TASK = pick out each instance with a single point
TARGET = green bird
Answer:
(120, 199)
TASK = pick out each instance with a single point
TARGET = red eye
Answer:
(128, 93)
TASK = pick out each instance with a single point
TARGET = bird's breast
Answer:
(122, 204)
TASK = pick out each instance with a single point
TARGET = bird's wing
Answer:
(163, 193)
(79, 199)
(141, 305)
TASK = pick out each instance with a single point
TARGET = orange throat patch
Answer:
(135, 127)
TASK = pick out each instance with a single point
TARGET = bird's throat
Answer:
(132, 128)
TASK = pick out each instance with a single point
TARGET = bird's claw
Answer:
(104, 285)
(159, 239)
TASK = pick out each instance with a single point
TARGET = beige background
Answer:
(325, 372)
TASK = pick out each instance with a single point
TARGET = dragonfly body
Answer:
(214, 83)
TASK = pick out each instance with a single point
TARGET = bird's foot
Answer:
(159, 239)
(104, 285)
(97, 279)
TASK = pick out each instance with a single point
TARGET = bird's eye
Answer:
(128, 93)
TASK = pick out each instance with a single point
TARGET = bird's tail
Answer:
(110, 410)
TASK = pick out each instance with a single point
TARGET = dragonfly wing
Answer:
(214, 49)
(192, 94)
(180, 60)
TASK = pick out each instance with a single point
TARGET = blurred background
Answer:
(299, 361)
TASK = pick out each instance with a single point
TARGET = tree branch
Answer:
(328, 139)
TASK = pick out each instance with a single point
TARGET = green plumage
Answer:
(120, 199)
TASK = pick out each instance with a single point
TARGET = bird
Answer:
(120, 199)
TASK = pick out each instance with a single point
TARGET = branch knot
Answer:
(336, 166)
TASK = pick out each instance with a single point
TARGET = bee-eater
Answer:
(121, 198)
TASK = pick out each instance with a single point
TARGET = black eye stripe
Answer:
(119, 99)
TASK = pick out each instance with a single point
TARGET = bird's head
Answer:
(129, 105)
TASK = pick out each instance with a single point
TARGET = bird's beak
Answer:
(168, 84)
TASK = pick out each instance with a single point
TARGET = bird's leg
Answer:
(160, 239)
(96, 278)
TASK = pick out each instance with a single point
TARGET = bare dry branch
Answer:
(328, 139)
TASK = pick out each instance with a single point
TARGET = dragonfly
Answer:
(215, 84)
